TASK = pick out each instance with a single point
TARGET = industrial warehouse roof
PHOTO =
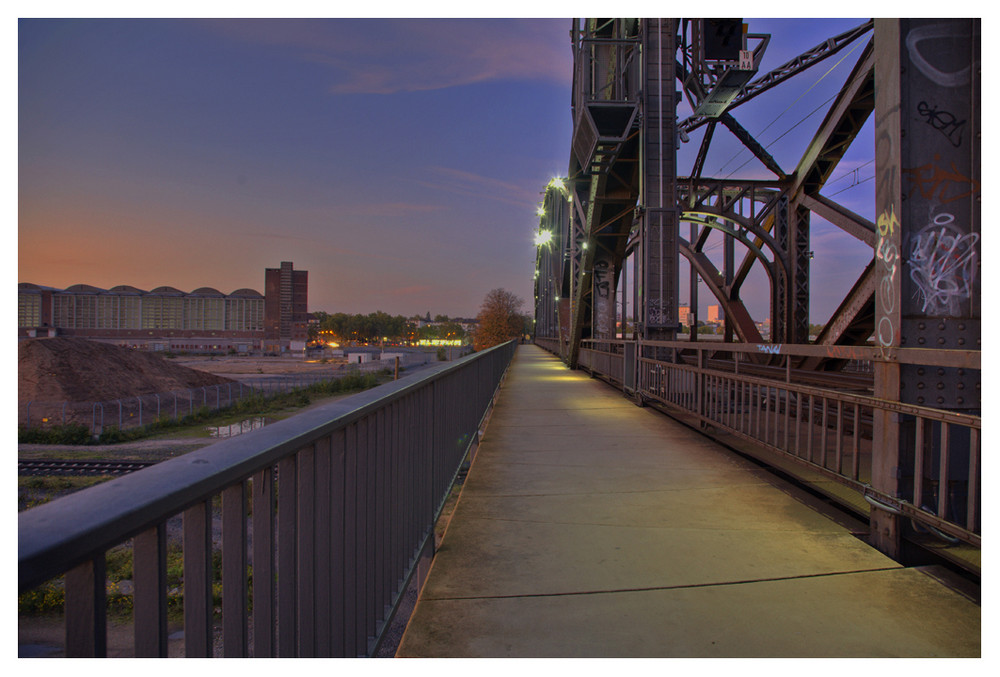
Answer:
(128, 289)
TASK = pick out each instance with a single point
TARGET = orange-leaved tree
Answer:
(499, 319)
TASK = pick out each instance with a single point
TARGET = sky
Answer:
(399, 161)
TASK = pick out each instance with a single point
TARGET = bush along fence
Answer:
(79, 422)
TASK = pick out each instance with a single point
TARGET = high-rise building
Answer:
(713, 314)
(286, 317)
(684, 314)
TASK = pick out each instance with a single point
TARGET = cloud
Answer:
(467, 183)
(412, 55)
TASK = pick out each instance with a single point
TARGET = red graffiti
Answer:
(931, 178)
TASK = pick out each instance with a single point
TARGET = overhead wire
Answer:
(790, 106)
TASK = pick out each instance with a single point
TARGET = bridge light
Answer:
(583, 244)
(556, 182)
(543, 237)
(540, 211)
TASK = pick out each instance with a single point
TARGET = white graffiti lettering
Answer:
(943, 265)
(773, 349)
(934, 74)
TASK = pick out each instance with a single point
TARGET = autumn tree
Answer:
(499, 319)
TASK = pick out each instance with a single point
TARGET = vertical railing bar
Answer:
(759, 410)
(338, 545)
(361, 570)
(856, 448)
(943, 484)
(322, 561)
(974, 474)
(809, 432)
(767, 413)
(306, 551)
(798, 425)
(918, 464)
(149, 572)
(351, 537)
(262, 511)
(788, 422)
(234, 568)
(399, 540)
(840, 437)
(86, 609)
(198, 604)
(286, 584)
(822, 438)
(384, 476)
(371, 536)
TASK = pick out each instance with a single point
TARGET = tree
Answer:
(499, 319)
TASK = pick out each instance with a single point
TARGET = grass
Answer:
(194, 424)
(50, 597)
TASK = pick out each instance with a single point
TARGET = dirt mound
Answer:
(63, 369)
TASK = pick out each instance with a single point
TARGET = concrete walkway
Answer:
(589, 527)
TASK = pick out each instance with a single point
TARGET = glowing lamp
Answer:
(543, 237)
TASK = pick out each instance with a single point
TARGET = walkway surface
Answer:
(589, 527)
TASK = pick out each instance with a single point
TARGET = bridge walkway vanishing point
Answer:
(590, 527)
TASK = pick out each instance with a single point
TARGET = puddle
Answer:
(239, 428)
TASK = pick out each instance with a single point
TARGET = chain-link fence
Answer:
(140, 410)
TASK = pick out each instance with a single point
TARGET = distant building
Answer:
(684, 314)
(166, 318)
(286, 318)
(713, 315)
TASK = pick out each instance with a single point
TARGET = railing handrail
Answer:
(56, 536)
(962, 358)
(943, 415)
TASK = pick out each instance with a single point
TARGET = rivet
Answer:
(961, 400)
(920, 371)
(920, 385)
(921, 340)
(941, 341)
(940, 386)
(940, 400)
(921, 325)
(961, 326)
(960, 385)
(920, 400)
(940, 372)
(941, 326)
(961, 341)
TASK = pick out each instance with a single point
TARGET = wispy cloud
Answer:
(476, 185)
(417, 54)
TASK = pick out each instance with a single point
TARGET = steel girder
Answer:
(610, 169)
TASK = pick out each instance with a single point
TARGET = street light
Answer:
(543, 237)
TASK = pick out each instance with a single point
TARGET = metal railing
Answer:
(320, 519)
(826, 428)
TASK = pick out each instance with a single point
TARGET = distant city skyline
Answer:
(399, 161)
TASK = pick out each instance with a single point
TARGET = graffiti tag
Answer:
(887, 254)
(933, 73)
(943, 121)
(943, 265)
(887, 222)
(773, 349)
(931, 178)
(601, 279)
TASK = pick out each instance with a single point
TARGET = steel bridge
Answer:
(301, 538)
(881, 409)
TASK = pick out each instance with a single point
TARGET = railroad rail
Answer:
(78, 468)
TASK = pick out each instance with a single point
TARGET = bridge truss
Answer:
(616, 230)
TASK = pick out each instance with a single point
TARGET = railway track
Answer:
(79, 468)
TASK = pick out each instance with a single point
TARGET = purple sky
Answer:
(400, 162)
